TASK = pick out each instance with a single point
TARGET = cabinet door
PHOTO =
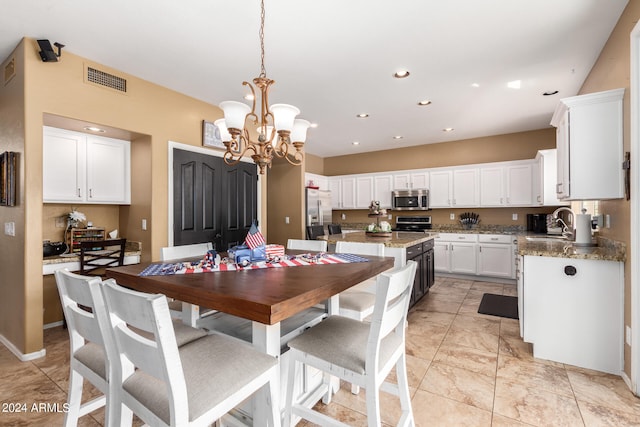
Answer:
(401, 181)
(418, 283)
(495, 260)
(63, 172)
(336, 193)
(364, 191)
(348, 193)
(562, 144)
(463, 258)
(440, 189)
(420, 180)
(428, 264)
(538, 180)
(491, 186)
(382, 187)
(441, 258)
(108, 170)
(519, 185)
(466, 191)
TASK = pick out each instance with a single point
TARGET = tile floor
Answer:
(465, 369)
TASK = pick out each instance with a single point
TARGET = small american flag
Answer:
(254, 237)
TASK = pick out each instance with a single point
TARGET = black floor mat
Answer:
(499, 305)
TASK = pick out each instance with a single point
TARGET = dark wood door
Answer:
(212, 202)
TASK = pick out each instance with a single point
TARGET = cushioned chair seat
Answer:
(343, 342)
(92, 355)
(231, 363)
(357, 301)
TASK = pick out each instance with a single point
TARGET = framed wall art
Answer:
(8, 179)
(211, 135)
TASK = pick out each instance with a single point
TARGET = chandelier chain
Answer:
(263, 71)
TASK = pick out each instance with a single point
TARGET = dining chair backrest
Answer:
(360, 248)
(393, 292)
(84, 310)
(307, 245)
(334, 228)
(314, 231)
(185, 251)
(96, 255)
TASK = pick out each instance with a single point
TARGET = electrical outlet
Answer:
(144, 224)
(286, 220)
(452, 216)
(607, 221)
(514, 216)
(389, 216)
(343, 216)
(10, 228)
(627, 335)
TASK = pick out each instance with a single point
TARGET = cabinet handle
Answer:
(494, 238)
(460, 237)
(480, 248)
(538, 198)
(90, 193)
(570, 270)
(559, 188)
(508, 200)
(453, 202)
(500, 200)
(79, 195)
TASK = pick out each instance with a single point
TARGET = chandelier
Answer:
(278, 130)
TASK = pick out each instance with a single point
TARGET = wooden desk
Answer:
(264, 296)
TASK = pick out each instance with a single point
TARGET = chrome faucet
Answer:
(566, 232)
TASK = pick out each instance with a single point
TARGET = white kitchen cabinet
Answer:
(506, 184)
(440, 188)
(495, 255)
(320, 181)
(520, 291)
(81, 168)
(466, 188)
(545, 173)
(336, 191)
(455, 253)
(589, 138)
(418, 179)
(573, 311)
(364, 191)
(382, 188)
(348, 193)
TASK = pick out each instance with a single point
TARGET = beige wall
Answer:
(156, 113)
(516, 146)
(612, 70)
(285, 198)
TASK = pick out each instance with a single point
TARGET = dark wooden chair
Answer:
(96, 255)
(314, 231)
(334, 229)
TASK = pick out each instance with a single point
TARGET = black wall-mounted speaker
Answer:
(46, 51)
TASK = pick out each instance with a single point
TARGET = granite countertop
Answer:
(607, 250)
(131, 249)
(398, 239)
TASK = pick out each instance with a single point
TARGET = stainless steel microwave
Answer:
(410, 200)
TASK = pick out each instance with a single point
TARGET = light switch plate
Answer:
(452, 216)
(144, 224)
(514, 216)
(10, 228)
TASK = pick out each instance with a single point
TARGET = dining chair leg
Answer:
(75, 399)
(274, 399)
(290, 383)
(373, 402)
(403, 392)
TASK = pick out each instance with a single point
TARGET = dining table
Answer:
(265, 296)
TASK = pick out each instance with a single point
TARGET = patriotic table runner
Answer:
(289, 261)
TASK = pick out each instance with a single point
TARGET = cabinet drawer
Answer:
(414, 250)
(457, 237)
(495, 238)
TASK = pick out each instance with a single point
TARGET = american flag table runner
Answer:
(288, 261)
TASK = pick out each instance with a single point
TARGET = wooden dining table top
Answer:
(267, 295)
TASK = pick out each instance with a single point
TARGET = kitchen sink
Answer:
(547, 239)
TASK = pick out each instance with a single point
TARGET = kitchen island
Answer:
(403, 246)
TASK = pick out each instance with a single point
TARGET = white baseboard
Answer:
(23, 357)
(627, 381)
(53, 325)
(500, 280)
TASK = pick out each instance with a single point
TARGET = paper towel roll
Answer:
(583, 229)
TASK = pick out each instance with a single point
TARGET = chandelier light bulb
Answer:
(283, 116)
(299, 132)
(235, 113)
(222, 128)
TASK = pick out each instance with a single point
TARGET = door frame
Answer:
(635, 209)
(200, 150)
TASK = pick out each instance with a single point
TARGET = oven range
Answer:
(413, 223)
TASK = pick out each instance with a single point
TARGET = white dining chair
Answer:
(82, 303)
(191, 314)
(193, 385)
(358, 301)
(307, 245)
(360, 352)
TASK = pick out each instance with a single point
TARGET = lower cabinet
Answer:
(456, 253)
(422, 253)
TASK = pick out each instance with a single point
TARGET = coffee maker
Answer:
(537, 223)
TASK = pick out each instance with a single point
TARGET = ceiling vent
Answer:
(110, 81)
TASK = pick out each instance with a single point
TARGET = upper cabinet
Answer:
(589, 138)
(417, 179)
(545, 173)
(454, 188)
(506, 184)
(315, 180)
(81, 168)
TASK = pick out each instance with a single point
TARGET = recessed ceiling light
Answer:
(515, 84)
(401, 74)
(355, 143)
(313, 125)
(249, 97)
(398, 137)
(363, 115)
(475, 84)
(447, 130)
(424, 102)
(94, 129)
(550, 92)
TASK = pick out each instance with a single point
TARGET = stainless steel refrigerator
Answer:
(318, 207)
